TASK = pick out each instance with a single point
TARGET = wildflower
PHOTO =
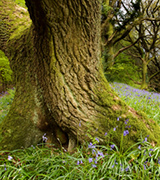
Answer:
(44, 138)
(158, 160)
(144, 167)
(118, 119)
(105, 134)
(10, 158)
(93, 151)
(112, 146)
(113, 166)
(100, 153)
(78, 162)
(5, 167)
(125, 133)
(91, 145)
(114, 129)
(151, 149)
(95, 162)
(150, 154)
(127, 169)
(126, 121)
(97, 139)
(80, 124)
(94, 166)
(90, 160)
(139, 147)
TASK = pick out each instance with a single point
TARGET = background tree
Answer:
(118, 19)
(60, 86)
(148, 35)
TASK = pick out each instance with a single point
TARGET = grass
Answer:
(91, 161)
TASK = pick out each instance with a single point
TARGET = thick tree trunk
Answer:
(60, 86)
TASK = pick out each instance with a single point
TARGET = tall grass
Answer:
(91, 161)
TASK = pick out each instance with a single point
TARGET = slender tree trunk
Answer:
(145, 80)
(60, 86)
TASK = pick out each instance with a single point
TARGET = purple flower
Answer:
(112, 146)
(118, 119)
(127, 169)
(144, 167)
(105, 134)
(78, 162)
(139, 147)
(158, 160)
(125, 132)
(150, 154)
(95, 162)
(100, 154)
(97, 139)
(113, 166)
(93, 151)
(114, 129)
(10, 158)
(151, 149)
(44, 138)
(126, 121)
(90, 160)
(80, 124)
(91, 145)
(94, 166)
(5, 167)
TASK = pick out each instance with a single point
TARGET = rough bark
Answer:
(60, 86)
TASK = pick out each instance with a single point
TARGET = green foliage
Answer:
(21, 3)
(105, 9)
(5, 102)
(140, 100)
(5, 70)
(91, 161)
(124, 70)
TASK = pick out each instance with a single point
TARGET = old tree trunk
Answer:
(60, 86)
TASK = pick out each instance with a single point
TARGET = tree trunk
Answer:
(60, 86)
(144, 84)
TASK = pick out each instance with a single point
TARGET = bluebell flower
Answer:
(125, 132)
(91, 145)
(97, 139)
(90, 160)
(139, 147)
(44, 138)
(127, 169)
(94, 166)
(100, 154)
(126, 121)
(10, 158)
(93, 151)
(112, 146)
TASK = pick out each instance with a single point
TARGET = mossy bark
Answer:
(60, 86)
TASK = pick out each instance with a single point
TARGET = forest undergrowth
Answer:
(90, 161)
